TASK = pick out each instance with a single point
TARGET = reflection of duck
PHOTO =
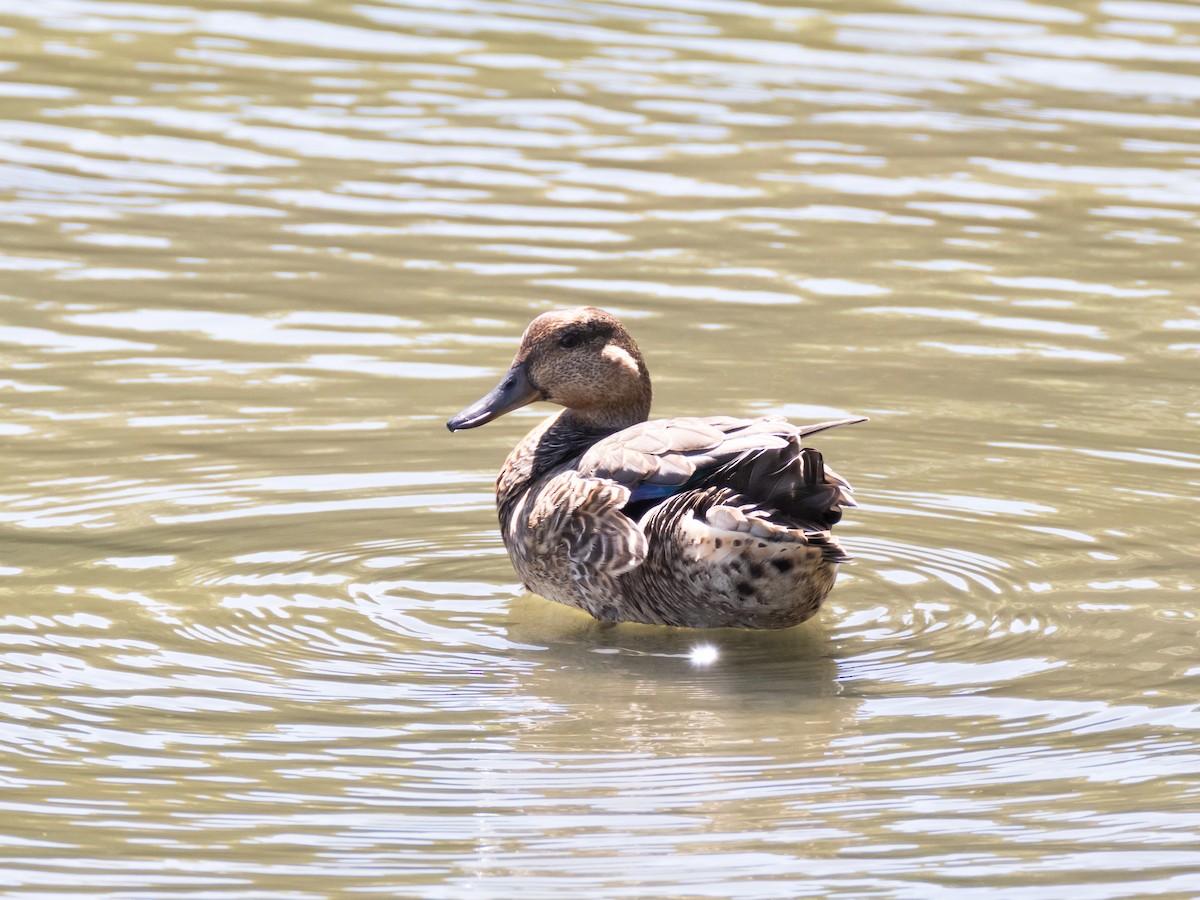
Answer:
(700, 522)
(654, 675)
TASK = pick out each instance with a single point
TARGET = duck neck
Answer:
(566, 436)
(628, 404)
(557, 441)
(605, 420)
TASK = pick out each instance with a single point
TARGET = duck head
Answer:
(582, 359)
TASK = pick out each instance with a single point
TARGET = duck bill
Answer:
(513, 392)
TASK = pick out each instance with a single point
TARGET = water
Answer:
(258, 636)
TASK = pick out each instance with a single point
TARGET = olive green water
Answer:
(258, 637)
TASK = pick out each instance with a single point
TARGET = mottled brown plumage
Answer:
(699, 522)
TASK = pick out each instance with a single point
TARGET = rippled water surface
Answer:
(258, 636)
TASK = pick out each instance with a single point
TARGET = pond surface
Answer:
(258, 636)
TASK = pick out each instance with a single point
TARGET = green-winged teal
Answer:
(700, 522)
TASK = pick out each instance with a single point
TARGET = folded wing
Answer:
(761, 459)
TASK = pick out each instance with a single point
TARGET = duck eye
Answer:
(569, 341)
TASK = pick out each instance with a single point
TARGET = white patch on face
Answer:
(620, 355)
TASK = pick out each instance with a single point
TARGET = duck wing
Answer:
(761, 459)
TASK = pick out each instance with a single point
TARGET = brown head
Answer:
(582, 359)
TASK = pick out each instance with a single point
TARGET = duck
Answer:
(693, 522)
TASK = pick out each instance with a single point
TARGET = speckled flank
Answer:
(743, 569)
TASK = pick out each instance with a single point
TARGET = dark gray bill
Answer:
(513, 392)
